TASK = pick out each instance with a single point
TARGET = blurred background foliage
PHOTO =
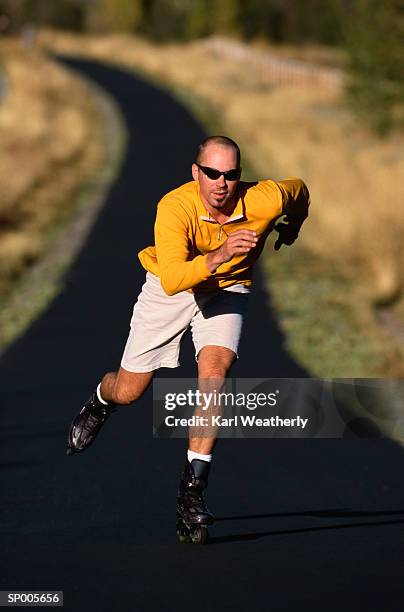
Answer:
(276, 75)
(374, 40)
(278, 20)
(370, 31)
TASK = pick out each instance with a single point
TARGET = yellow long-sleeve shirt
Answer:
(185, 232)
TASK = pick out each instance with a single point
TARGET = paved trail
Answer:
(302, 525)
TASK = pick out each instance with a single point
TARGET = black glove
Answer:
(287, 234)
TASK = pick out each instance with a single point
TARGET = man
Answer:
(208, 235)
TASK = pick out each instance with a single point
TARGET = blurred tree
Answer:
(277, 20)
(67, 14)
(198, 22)
(317, 21)
(165, 19)
(114, 15)
(15, 12)
(185, 20)
(291, 20)
(225, 16)
(260, 18)
(374, 40)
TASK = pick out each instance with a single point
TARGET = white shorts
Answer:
(159, 322)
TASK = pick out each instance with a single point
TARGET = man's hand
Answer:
(238, 243)
(287, 235)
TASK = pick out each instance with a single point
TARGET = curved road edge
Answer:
(43, 282)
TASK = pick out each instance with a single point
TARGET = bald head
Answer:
(217, 171)
(222, 141)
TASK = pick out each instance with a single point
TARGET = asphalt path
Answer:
(302, 524)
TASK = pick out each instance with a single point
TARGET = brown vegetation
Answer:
(353, 236)
(357, 217)
(50, 145)
(348, 259)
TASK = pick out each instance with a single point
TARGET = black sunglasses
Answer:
(230, 175)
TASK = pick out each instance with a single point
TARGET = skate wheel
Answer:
(199, 535)
(183, 534)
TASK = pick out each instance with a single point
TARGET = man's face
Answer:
(217, 193)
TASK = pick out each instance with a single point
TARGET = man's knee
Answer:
(130, 387)
(215, 371)
(215, 362)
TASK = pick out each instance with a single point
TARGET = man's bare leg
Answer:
(193, 517)
(124, 387)
(120, 387)
(214, 363)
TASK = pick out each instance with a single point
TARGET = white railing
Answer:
(276, 69)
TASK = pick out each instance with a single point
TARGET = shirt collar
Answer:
(238, 214)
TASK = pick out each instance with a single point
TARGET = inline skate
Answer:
(193, 517)
(87, 424)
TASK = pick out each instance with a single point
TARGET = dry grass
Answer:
(310, 53)
(50, 144)
(357, 219)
